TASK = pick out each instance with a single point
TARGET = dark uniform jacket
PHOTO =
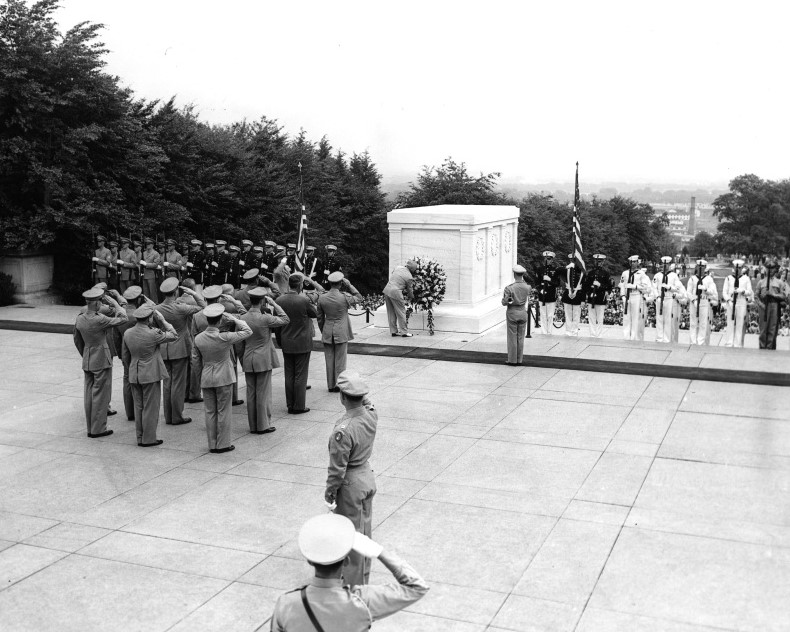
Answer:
(222, 271)
(198, 260)
(596, 294)
(297, 335)
(573, 279)
(547, 289)
(210, 271)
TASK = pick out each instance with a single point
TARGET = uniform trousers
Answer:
(234, 359)
(769, 324)
(665, 314)
(124, 285)
(295, 369)
(595, 318)
(396, 311)
(128, 398)
(733, 335)
(516, 326)
(150, 289)
(634, 320)
(219, 415)
(335, 356)
(699, 328)
(355, 501)
(259, 399)
(97, 394)
(146, 410)
(547, 317)
(572, 316)
(175, 390)
(195, 371)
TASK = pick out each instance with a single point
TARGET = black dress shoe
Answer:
(194, 401)
(238, 402)
(293, 411)
(106, 433)
(394, 335)
(308, 387)
(230, 448)
(407, 335)
(335, 389)
(151, 445)
(111, 412)
(267, 431)
(185, 420)
(130, 419)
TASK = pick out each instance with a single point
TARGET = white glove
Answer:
(166, 264)
(365, 546)
(596, 284)
(326, 272)
(546, 277)
(215, 264)
(189, 264)
(665, 286)
(119, 262)
(241, 263)
(330, 506)
(94, 259)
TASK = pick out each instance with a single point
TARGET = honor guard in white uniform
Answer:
(669, 292)
(703, 297)
(548, 282)
(572, 297)
(736, 295)
(635, 290)
(516, 298)
(350, 484)
(598, 286)
(326, 603)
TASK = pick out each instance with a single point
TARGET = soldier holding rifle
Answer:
(736, 294)
(703, 296)
(102, 260)
(598, 285)
(548, 281)
(635, 290)
(150, 263)
(667, 286)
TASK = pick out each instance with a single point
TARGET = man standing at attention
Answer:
(772, 293)
(703, 295)
(350, 484)
(212, 351)
(598, 285)
(400, 282)
(548, 282)
(90, 338)
(296, 342)
(335, 326)
(516, 297)
(736, 293)
(572, 297)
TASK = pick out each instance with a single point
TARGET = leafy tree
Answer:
(702, 245)
(451, 184)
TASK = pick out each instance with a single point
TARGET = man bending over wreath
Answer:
(400, 281)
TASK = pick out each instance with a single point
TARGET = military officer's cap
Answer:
(234, 248)
(137, 244)
(310, 249)
(160, 243)
(702, 262)
(739, 262)
(209, 244)
(258, 292)
(168, 285)
(548, 253)
(330, 247)
(326, 538)
(517, 269)
(125, 240)
(144, 311)
(212, 292)
(101, 285)
(251, 274)
(196, 242)
(291, 246)
(350, 383)
(113, 243)
(171, 242)
(101, 238)
(246, 242)
(258, 249)
(132, 292)
(601, 257)
(214, 310)
(280, 248)
(148, 240)
(335, 277)
(221, 242)
(93, 294)
(271, 244)
(226, 288)
(666, 259)
(771, 264)
(633, 258)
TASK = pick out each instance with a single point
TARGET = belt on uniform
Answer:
(356, 467)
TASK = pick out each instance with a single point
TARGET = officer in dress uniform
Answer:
(102, 260)
(572, 297)
(736, 295)
(350, 484)
(146, 369)
(516, 297)
(635, 290)
(196, 264)
(548, 282)
(290, 255)
(311, 263)
(235, 266)
(703, 296)
(257, 260)
(772, 293)
(151, 261)
(245, 257)
(173, 261)
(127, 263)
(270, 259)
(597, 287)
(134, 298)
(258, 358)
(326, 603)
(669, 292)
(90, 338)
(335, 326)
(331, 264)
(222, 270)
(210, 265)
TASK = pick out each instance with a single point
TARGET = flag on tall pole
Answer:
(578, 251)
(301, 239)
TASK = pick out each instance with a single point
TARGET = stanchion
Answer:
(529, 323)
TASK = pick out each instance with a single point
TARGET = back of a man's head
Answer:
(295, 282)
(189, 283)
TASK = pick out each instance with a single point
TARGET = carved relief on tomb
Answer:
(494, 245)
(480, 248)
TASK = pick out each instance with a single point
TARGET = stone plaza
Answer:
(529, 498)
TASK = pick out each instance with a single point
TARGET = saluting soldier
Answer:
(196, 263)
(350, 484)
(669, 292)
(127, 264)
(335, 326)
(326, 541)
(772, 293)
(223, 263)
(736, 295)
(91, 339)
(331, 264)
(548, 282)
(281, 272)
(102, 260)
(134, 298)
(141, 354)
(703, 296)
(516, 297)
(635, 290)
(311, 263)
(210, 265)
(151, 262)
(597, 287)
(173, 261)
(573, 296)
(258, 358)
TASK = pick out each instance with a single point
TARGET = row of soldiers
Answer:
(148, 263)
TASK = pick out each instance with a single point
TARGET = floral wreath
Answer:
(428, 288)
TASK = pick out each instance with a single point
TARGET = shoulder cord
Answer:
(309, 610)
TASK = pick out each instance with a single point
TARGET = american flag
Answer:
(578, 251)
(301, 241)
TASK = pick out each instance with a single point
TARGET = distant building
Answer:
(680, 219)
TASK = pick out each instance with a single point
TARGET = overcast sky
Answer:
(687, 92)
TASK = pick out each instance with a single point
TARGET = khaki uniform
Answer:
(350, 479)
(104, 256)
(400, 283)
(175, 262)
(126, 274)
(516, 297)
(770, 298)
(336, 330)
(90, 338)
(150, 286)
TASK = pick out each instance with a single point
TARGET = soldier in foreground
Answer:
(516, 297)
(326, 603)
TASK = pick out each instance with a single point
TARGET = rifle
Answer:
(735, 293)
(312, 269)
(628, 291)
(699, 294)
(92, 255)
(663, 290)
